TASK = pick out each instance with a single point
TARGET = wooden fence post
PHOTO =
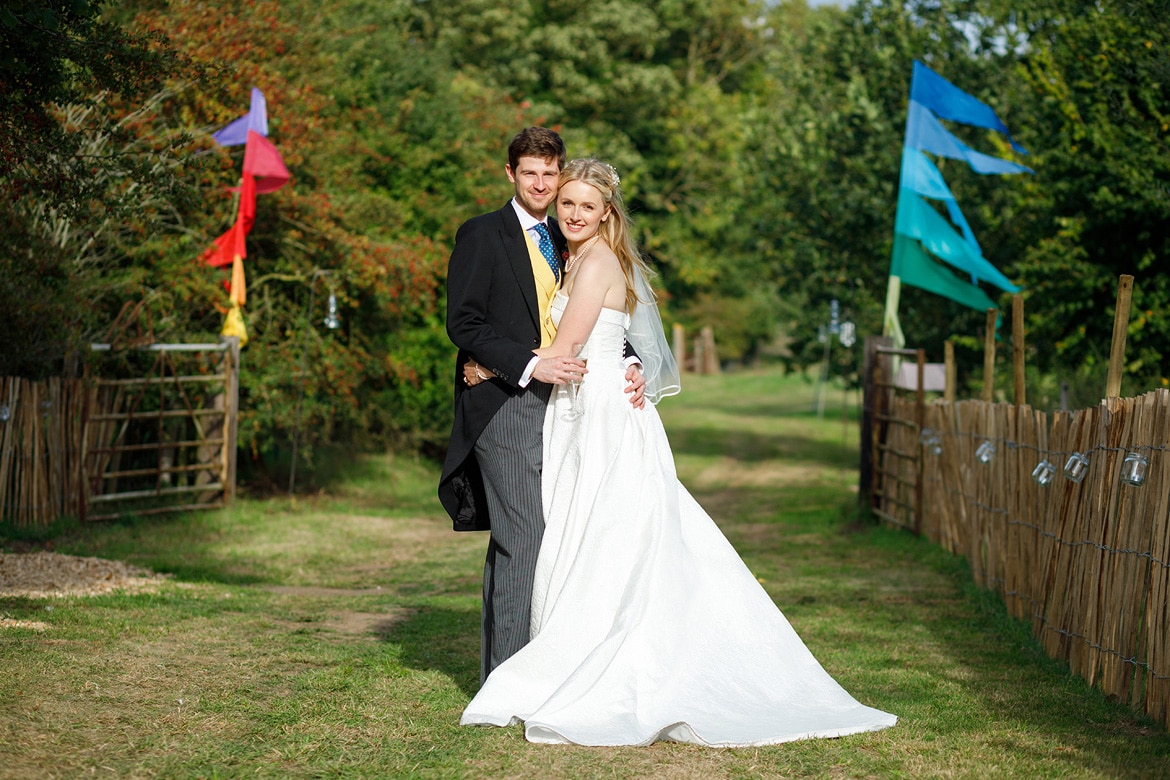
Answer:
(1117, 348)
(231, 387)
(869, 407)
(989, 356)
(952, 372)
(919, 421)
(679, 346)
(1018, 348)
(710, 356)
(8, 393)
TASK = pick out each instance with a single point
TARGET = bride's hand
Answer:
(559, 370)
(474, 373)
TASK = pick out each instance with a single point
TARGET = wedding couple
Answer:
(614, 610)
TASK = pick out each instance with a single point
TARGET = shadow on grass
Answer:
(442, 639)
(204, 569)
(181, 545)
(798, 408)
(381, 478)
(757, 447)
(1000, 669)
(319, 467)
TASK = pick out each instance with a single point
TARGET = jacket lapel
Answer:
(516, 251)
(559, 242)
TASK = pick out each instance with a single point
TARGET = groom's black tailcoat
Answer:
(493, 316)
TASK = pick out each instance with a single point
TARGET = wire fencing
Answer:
(1066, 516)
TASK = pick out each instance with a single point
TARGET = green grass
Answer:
(337, 635)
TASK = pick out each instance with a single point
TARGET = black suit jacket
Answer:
(492, 314)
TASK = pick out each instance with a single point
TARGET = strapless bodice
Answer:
(608, 339)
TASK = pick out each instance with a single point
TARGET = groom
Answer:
(504, 271)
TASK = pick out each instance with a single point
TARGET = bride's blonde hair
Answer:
(615, 230)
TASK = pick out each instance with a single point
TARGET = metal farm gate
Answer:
(160, 429)
(892, 439)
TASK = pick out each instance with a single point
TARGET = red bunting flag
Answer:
(231, 244)
(263, 161)
(264, 171)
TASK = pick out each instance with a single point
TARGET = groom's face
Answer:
(536, 184)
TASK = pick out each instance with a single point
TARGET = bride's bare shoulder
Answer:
(601, 262)
(602, 273)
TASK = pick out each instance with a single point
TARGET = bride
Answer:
(646, 625)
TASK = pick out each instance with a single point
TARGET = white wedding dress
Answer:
(646, 625)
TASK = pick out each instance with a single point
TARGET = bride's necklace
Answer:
(581, 252)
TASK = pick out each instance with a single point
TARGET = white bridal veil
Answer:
(648, 338)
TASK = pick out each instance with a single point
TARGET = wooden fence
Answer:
(886, 429)
(1066, 516)
(702, 358)
(41, 430)
(160, 439)
(1087, 562)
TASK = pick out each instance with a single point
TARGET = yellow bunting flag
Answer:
(233, 324)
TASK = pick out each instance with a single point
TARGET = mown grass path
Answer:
(337, 636)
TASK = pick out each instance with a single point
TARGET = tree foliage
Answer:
(759, 146)
(86, 169)
(1097, 80)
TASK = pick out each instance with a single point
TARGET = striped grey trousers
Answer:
(510, 454)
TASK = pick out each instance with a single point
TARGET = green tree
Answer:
(758, 143)
(828, 161)
(1097, 81)
(84, 165)
(655, 87)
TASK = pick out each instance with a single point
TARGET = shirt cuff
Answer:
(526, 377)
(632, 361)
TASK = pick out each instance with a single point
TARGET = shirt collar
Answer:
(527, 221)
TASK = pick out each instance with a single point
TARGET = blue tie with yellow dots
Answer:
(548, 250)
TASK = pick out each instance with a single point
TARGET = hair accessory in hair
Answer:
(617, 180)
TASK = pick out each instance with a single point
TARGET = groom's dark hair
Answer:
(536, 142)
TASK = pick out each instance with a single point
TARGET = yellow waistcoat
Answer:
(546, 290)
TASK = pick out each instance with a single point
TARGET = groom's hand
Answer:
(559, 370)
(636, 386)
(474, 373)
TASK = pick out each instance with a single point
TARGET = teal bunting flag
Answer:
(922, 236)
(920, 175)
(918, 220)
(925, 132)
(911, 261)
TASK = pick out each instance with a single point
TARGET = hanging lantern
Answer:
(1133, 469)
(332, 319)
(1043, 473)
(931, 441)
(1076, 467)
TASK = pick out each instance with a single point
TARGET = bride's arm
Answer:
(594, 281)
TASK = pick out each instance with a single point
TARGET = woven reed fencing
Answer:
(41, 430)
(1087, 562)
(163, 440)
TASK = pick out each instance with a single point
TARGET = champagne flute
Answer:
(575, 409)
